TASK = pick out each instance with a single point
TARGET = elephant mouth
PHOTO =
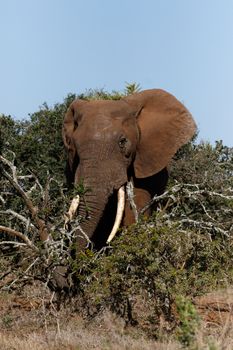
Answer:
(119, 212)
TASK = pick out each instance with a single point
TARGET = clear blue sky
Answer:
(49, 48)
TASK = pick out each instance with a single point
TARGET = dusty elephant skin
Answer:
(112, 142)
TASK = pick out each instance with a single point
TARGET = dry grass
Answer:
(106, 333)
(29, 322)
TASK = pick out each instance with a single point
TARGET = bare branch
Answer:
(18, 234)
(210, 193)
(83, 234)
(205, 210)
(17, 216)
(2, 199)
(6, 273)
(23, 177)
(204, 225)
(33, 188)
(46, 191)
(176, 188)
(24, 273)
(43, 232)
(156, 198)
(18, 244)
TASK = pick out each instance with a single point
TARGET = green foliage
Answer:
(80, 188)
(40, 146)
(7, 321)
(37, 143)
(148, 266)
(188, 320)
(131, 88)
(100, 94)
(204, 164)
(9, 133)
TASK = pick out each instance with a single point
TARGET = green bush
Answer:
(188, 321)
(148, 266)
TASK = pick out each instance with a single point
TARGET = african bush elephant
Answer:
(111, 142)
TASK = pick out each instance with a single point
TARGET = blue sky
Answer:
(52, 47)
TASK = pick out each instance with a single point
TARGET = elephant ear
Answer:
(70, 124)
(165, 125)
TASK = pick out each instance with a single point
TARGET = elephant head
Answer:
(111, 142)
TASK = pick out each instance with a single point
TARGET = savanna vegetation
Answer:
(143, 290)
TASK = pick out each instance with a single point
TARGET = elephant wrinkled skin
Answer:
(112, 142)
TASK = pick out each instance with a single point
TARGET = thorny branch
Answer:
(13, 179)
(18, 216)
(54, 251)
(172, 199)
(204, 225)
(178, 188)
(18, 234)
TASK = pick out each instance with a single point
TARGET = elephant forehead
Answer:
(107, 108)
(102, 126)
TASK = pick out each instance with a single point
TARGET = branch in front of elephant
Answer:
(20, 235)
(169, 194)
(101, 252)
(130, 195)
(56, 252)
(13, 179)
(78, 227)
(157, 198)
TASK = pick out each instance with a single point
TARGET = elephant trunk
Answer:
(85, 234)
(90, 211)
(98, 203)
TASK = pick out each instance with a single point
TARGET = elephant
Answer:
(110, 143)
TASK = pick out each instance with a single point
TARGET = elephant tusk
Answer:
(119, 214)
(72, 209)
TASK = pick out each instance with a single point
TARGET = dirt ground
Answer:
(216, 308)
(30, 320)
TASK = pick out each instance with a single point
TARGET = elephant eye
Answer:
(122, 142)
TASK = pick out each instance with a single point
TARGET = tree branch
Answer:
(204, 225)
(18, 234)
(18, 216)
(43, 232)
